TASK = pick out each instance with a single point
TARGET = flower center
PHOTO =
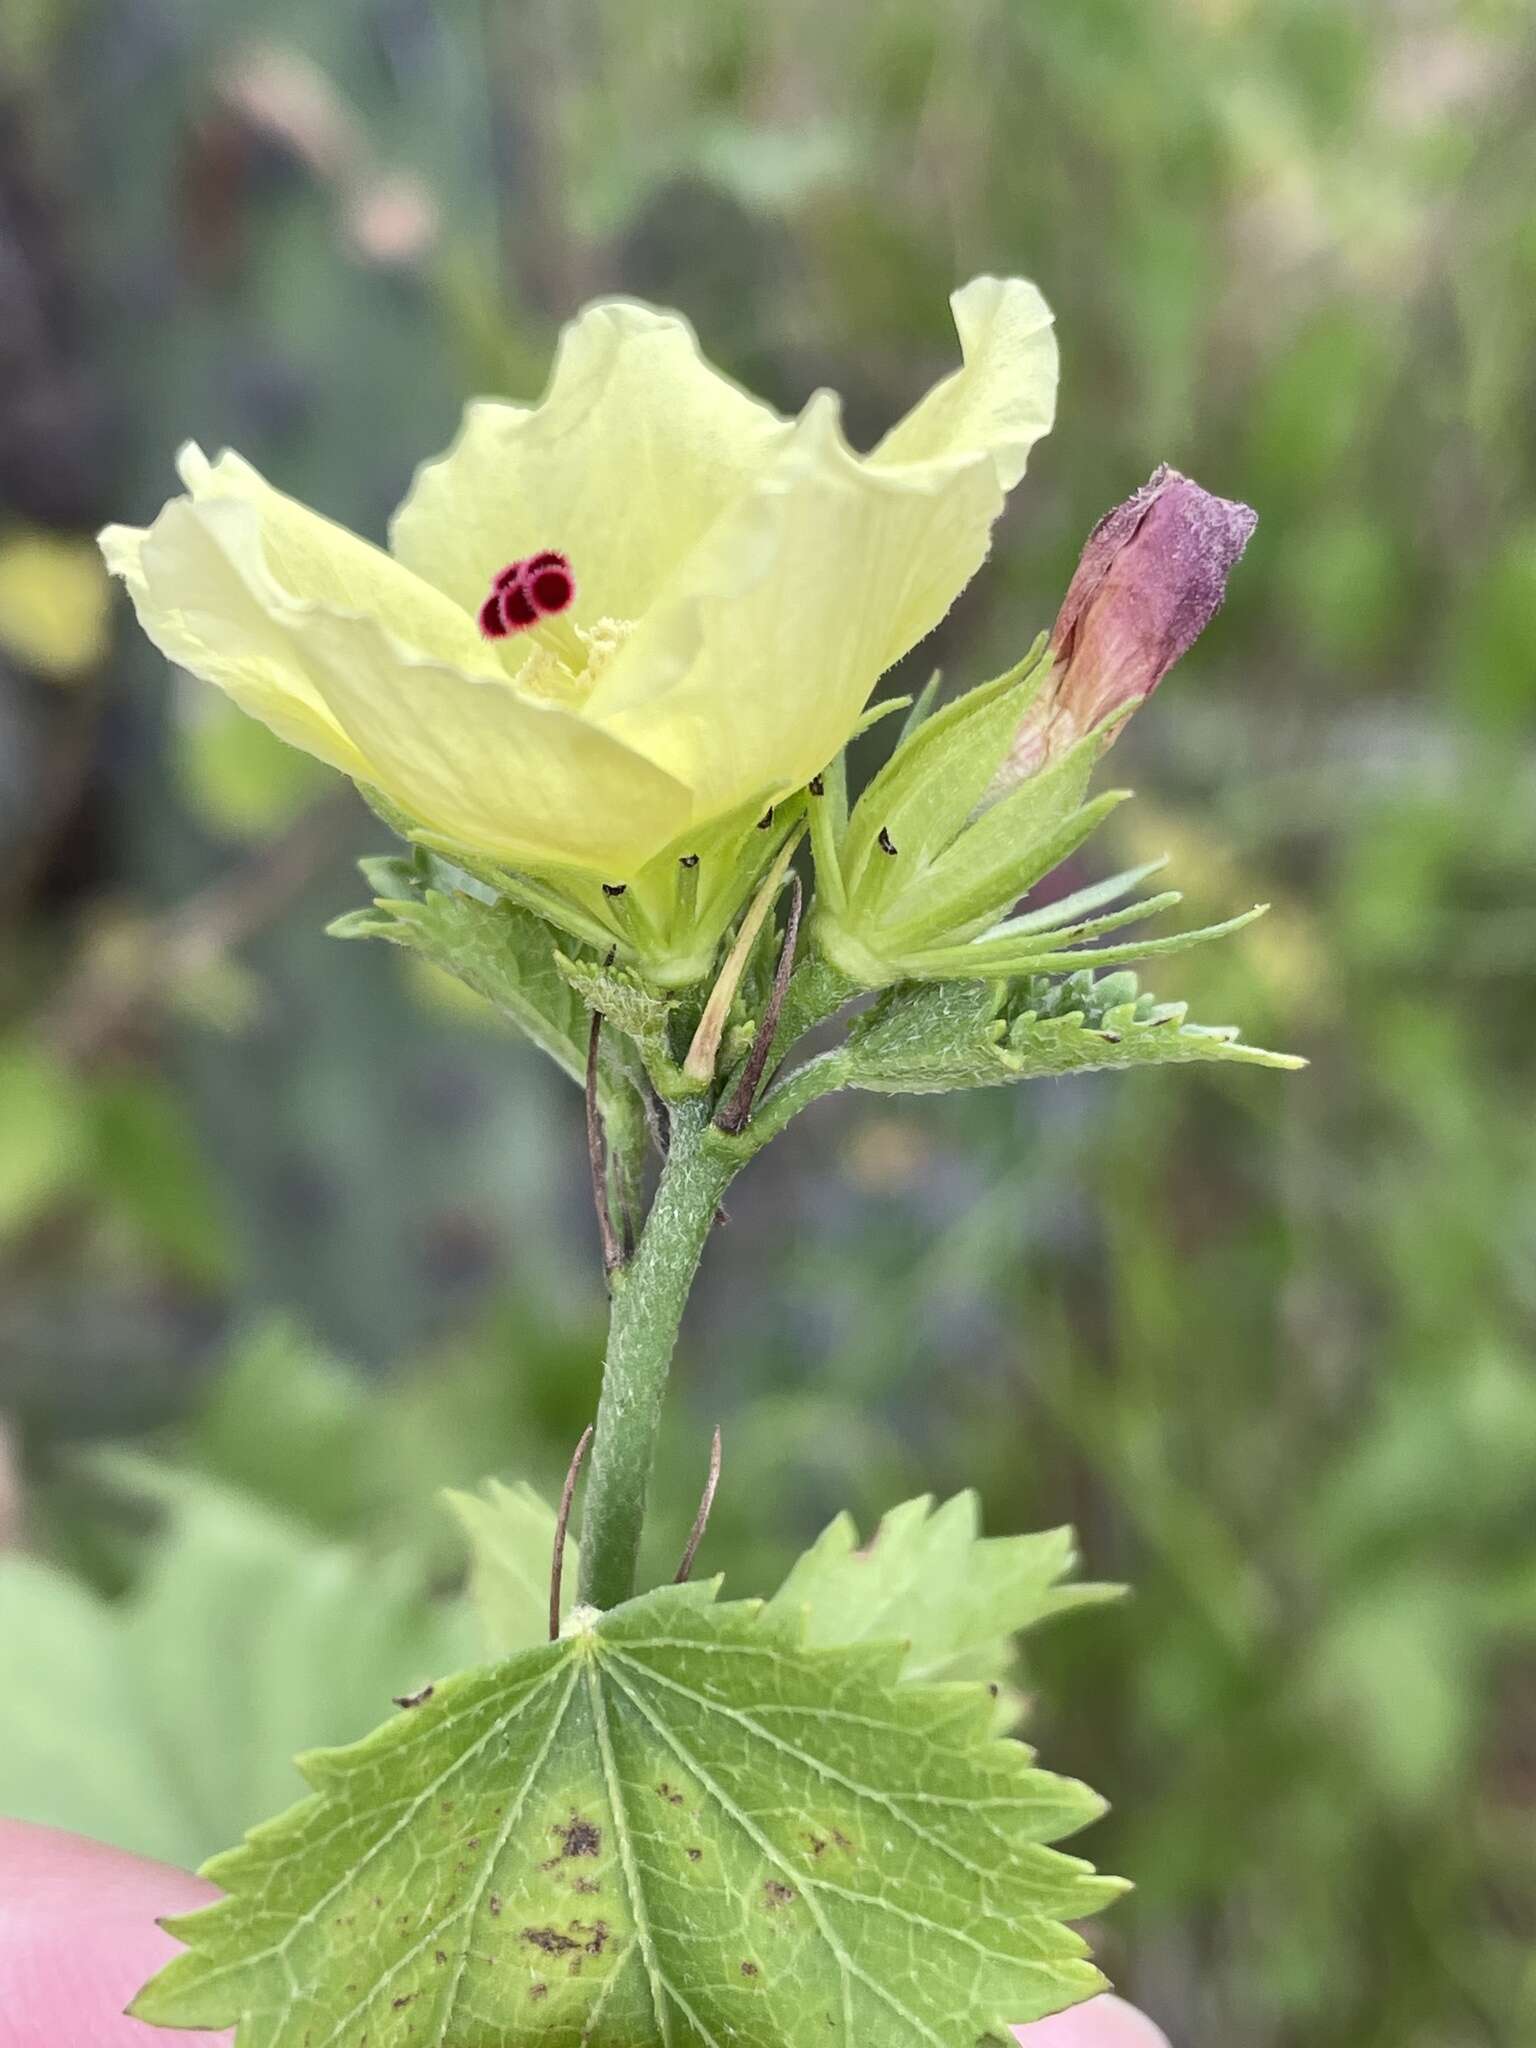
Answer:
(532, 598)
(538, 587)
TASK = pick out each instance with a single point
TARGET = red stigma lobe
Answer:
(526, 591)
(552, 590)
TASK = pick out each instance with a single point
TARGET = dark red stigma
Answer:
(525, 592)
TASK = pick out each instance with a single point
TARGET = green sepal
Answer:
(682, 1823)
(827, 813)
(1001, 854)
(885, 951)
(921, 707)
(934, 780)
(1065, 910)
(876, 714)
(683, 915)
(1046, 955)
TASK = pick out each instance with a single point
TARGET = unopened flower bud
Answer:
(1151, 577)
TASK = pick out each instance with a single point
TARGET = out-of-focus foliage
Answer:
(1266, 1342)
(240, 1622)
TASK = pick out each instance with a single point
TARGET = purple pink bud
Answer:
(1151, 577)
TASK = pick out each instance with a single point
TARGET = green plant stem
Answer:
(649, 1296)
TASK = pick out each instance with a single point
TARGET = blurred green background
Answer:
(290, 1235)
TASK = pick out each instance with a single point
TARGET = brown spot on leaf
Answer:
(495, 1904)
(670, 1793)
(442, 1956)
(415, 1699)
(694, 1855)
(550, 1941)
(399, 2004)
(776, 1894)
(538, 1989)
(749, 1969)
(579, 1836)
(587, 1887)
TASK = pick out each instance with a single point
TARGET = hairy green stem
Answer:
(649, 1296)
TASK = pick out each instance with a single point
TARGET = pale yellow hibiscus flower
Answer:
(742, 582)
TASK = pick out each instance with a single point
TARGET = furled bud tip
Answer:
(525, 592)
(1151, 577)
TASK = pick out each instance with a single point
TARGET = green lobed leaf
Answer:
(1127, 1037)
(624, 998)
(926, 1038)
(680, 1825)
(946, 1035)
(511, 1532)
(929, 1576)
(503, 952)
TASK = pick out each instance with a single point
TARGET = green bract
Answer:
(917, 884)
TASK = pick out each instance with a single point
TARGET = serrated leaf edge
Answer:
(323, 1768)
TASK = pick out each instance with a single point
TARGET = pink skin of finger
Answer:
(78, 1938)
(1101, 2023)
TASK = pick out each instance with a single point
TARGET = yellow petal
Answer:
(344, 653)
(1003, 399)
(751, 671)
(53, 604)
(313, 561)
(202, 616)
(635, 449)
(526, 780)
